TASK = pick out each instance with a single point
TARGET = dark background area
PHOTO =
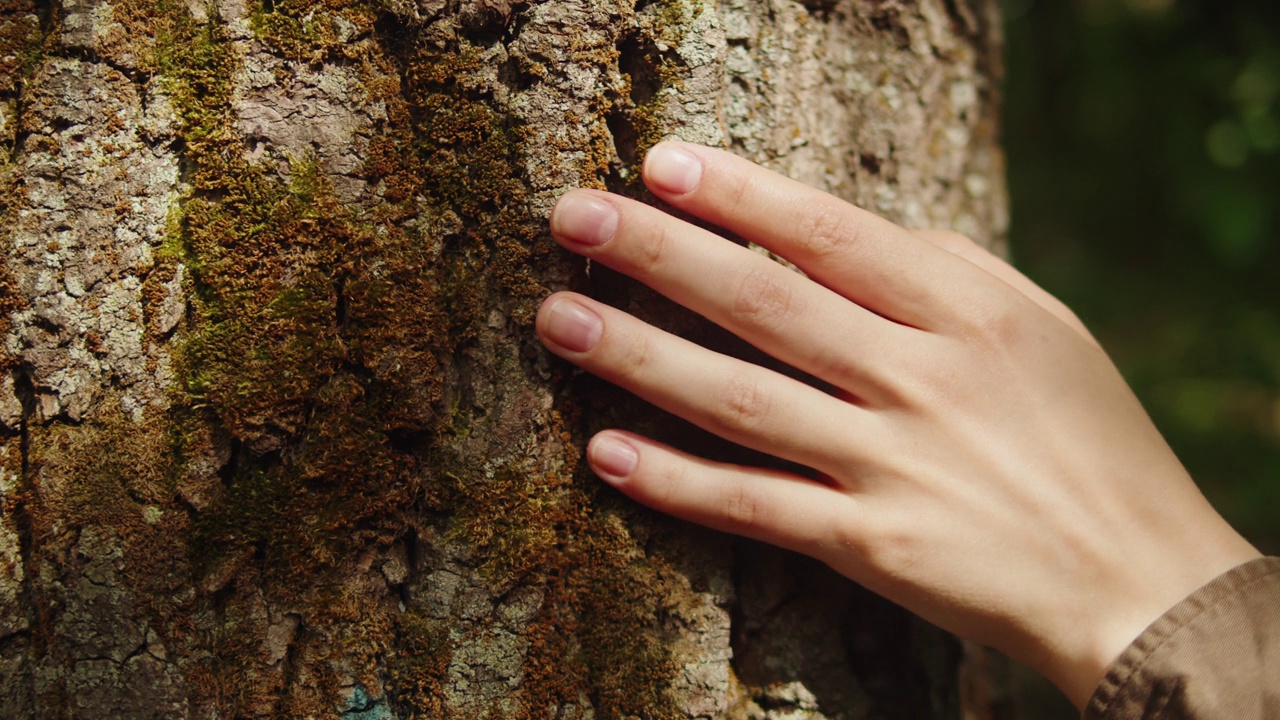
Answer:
(1143, 142)
(1144, 168)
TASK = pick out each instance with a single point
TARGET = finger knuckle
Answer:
(998, 328)
(635, 355)
(849, 539)
(669, 484)
(655, 249)
(911, 393)
(741, 193)
(890, 549)
(743, 407)
(918, 380)
(827, 230)
(744, 509)
(839, 367)
(762, 298)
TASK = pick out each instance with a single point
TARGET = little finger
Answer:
(767, 505)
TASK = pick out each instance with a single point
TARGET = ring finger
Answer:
(737, 400)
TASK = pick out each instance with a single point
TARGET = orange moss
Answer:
(119, 474)
(600, 631)
(20, 42)
(418, 663)
(21, 45)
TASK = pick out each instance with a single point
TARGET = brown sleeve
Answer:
(1214, 656)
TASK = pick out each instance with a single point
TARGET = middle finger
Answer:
(779, 311)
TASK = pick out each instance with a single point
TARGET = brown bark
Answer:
(277, 439)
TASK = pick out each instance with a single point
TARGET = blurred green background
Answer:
(1143, 139)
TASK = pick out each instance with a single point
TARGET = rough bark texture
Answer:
(278, 440)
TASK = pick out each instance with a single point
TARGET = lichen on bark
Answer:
(279, 441)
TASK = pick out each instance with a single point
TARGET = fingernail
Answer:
(613, 459)
(572, 326)
(584, 219)
(672, 169)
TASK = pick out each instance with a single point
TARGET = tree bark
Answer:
(278, 439)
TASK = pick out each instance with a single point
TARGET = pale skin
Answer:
(983, 463)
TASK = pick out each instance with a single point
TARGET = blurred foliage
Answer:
(1144, 167)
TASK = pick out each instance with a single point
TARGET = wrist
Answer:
(1118, 613)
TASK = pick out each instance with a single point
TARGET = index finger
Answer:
(869, 260)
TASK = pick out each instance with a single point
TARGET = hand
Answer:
(985, 464)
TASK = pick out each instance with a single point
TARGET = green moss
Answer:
(599, 632)
(317, 331)
(674, 17)
(316, 346)
(107, 488)
(294, 299)
(666, 27)
(314, 31)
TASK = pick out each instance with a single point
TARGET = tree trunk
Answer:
(278, 439)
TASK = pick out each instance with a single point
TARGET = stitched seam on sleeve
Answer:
(1136, 656)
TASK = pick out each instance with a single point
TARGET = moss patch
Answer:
(327, 349)
(417, 666)
(21, 46)
(119, 474)
(315, 31)
(600, 635)
(321, 332)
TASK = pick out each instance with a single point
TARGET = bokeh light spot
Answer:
(1227, 144)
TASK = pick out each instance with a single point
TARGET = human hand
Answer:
(984, 463)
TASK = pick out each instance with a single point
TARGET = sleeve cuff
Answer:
(1207, 651)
